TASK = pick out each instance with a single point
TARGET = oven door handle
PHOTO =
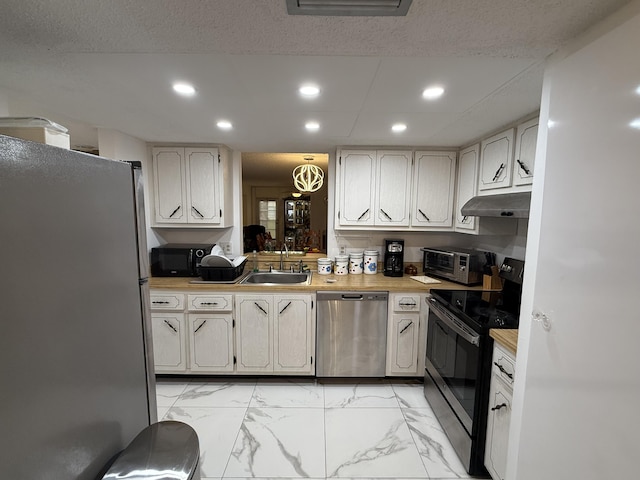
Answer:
(465, 333)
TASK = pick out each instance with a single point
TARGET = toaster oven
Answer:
(458, 265)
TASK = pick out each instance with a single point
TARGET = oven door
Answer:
(439, 263)
(453, 353)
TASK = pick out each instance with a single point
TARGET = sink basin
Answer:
(278, 278)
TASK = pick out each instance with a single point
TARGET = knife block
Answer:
(493, 281)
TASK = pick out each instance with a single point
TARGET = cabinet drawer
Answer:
(503, 365)
(217, 303)
(167, 301)
(406, 303)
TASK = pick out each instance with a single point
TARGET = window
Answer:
(267, 215)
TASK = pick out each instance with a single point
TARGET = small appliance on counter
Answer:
(393, 257)
(459, 265)
(178, 259)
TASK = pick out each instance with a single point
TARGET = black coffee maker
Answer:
(393, 257)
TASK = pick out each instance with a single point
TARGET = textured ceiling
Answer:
(110, 63)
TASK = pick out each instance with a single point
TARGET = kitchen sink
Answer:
(278, 278)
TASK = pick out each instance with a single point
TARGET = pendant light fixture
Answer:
(307, 177)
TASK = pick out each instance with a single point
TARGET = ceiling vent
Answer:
(350, 8)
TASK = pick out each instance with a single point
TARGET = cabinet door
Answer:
(211, 343)
(393, 188)
(203, 192)
(433, 186)
(254, 333)
(357, 173)
(467, 185)
(402, 345)
(169, 185)
(525, 156)
(293, 334)
(495, 457)
(496, 159)
(169, 347)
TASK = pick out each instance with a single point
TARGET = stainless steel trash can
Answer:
(167, 449)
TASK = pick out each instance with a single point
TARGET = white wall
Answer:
(576, 401)
(119, 146)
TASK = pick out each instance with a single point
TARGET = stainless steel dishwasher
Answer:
(352, 334)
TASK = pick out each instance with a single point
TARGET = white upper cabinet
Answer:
(374, 188)
(507, 160)
(169, 185)
(393, 193)
(525, 156)
(188, 186)
(496, 161)
(357, 181)
(467, 185)
(434, 176)
(203, 191)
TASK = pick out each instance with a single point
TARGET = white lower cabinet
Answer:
(169, 347)
(210, 342)
(254, 341)
(275, 333)
(209, 333)
(294, 334)
(499, 419)
(406, 334)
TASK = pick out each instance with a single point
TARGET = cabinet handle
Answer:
(465, 218)
(386, 215)
(363, 214)
(171, 326)
(422, 213)
(261, 309)
(407, 304)
(524, 167)
(175, 211)
(503, 370)
(406, 326)
(196, 210)
(498, 172)
(160, 302)
(285, 307)
(208, 303)
(201, 325)
(498, 407)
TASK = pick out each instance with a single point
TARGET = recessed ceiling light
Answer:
(224, 125)
(309, 91)
(638, 90)
(635, 123)
(398, 127)
(431, 93)
(184, 89)
(312, 126)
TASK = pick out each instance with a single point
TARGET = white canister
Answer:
(324, 266)
(341, 266)
(356, 263)
(371, 262)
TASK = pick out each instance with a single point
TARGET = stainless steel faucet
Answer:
(283, 249)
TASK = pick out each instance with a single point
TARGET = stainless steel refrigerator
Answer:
(76, 367)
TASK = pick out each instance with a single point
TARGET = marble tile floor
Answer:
(307, 428)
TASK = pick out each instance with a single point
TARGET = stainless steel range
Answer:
(458, 360)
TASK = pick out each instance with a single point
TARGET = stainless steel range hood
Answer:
(509, 205)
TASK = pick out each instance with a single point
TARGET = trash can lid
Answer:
(164, 450)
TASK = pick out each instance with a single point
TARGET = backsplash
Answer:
(503, 245)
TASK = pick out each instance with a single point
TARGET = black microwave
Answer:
(178, 259)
